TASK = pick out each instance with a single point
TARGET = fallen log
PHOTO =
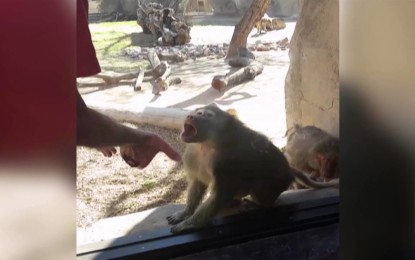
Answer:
(139, 80)
(153, 58)
(136, 78)
(163, 85)
(174, 57)
(221, 82)
(156, 90)
(112, 78)
(161, 71)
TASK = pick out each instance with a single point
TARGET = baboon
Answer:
(233, 161)
(167, 18)
(267, 23)
(263, 24)
(277, 24)
(314, 151)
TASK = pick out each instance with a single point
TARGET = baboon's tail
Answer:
(304, 180)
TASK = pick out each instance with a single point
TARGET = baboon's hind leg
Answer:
(265, 194)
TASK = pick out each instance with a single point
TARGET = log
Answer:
(112, 78)
(157, 71)
(153, 58)
(139, 80)
(156, 90)
(220, 82)
(174, 57)
(165, 73)
(160, 82)
(161, 71)
(163, 85)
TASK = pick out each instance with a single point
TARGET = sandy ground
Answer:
(108, 187)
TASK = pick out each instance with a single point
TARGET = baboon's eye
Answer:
(199, 113)
(209, 114)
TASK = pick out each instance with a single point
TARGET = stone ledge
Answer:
(139, 222)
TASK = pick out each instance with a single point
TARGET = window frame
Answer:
(262, 223)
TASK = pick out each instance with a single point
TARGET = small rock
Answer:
(262, 47)
(273, 46)
(221, 53)
(200, 48)
(206, 52)
(283, 43)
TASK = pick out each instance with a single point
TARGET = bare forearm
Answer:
(97, 130)
(137, 147)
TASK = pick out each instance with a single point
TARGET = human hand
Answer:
(140, 155)
(108, 151)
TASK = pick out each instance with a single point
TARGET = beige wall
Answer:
(280, 8)
(312, 82)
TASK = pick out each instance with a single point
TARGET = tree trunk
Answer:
(160, 22)
(245, 26)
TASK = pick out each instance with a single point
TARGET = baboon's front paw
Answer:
(176, 217)
(182, 227)
(248, 205)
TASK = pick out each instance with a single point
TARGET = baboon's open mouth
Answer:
(189, 130)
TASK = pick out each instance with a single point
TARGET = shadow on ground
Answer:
(141, 39)
(206, 20)
(174, 191)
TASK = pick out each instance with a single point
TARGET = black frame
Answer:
(161, 244)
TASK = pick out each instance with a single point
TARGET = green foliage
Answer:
(109, 40)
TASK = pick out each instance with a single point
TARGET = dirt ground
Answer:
(108, 187)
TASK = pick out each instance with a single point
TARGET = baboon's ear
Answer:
(232, 112)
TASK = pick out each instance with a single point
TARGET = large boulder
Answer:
(312, 82)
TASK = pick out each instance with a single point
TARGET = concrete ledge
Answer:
(156, 218)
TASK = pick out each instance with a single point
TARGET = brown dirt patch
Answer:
(108, 187)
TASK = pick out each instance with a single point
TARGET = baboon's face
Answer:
(329, 167)
(327, 152)
(204, 124)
